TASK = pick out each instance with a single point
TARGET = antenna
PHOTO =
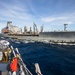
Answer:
(65, 26)
(34, 27)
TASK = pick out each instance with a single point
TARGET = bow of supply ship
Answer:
(34, 35)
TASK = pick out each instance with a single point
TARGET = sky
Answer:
(52, 14)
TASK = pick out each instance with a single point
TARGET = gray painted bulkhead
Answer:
(59, 36)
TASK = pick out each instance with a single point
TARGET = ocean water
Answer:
(53, 59)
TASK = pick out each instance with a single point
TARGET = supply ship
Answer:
(53, 36)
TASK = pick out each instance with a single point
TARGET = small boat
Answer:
(11, 62)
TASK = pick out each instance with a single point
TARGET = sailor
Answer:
(2, 57)
(5, 55)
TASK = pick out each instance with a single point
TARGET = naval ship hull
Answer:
(68, 36)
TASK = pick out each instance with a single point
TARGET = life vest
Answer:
(14, 64)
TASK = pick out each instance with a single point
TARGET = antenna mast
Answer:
(65, 27)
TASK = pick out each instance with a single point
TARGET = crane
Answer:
(35, 28)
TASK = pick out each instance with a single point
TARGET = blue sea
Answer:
(53, 59)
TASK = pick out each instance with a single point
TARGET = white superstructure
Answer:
(11, 29)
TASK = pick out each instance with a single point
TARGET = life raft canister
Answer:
(14, 64)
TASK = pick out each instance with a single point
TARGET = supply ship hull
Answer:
(68, 36)
(56, 37)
